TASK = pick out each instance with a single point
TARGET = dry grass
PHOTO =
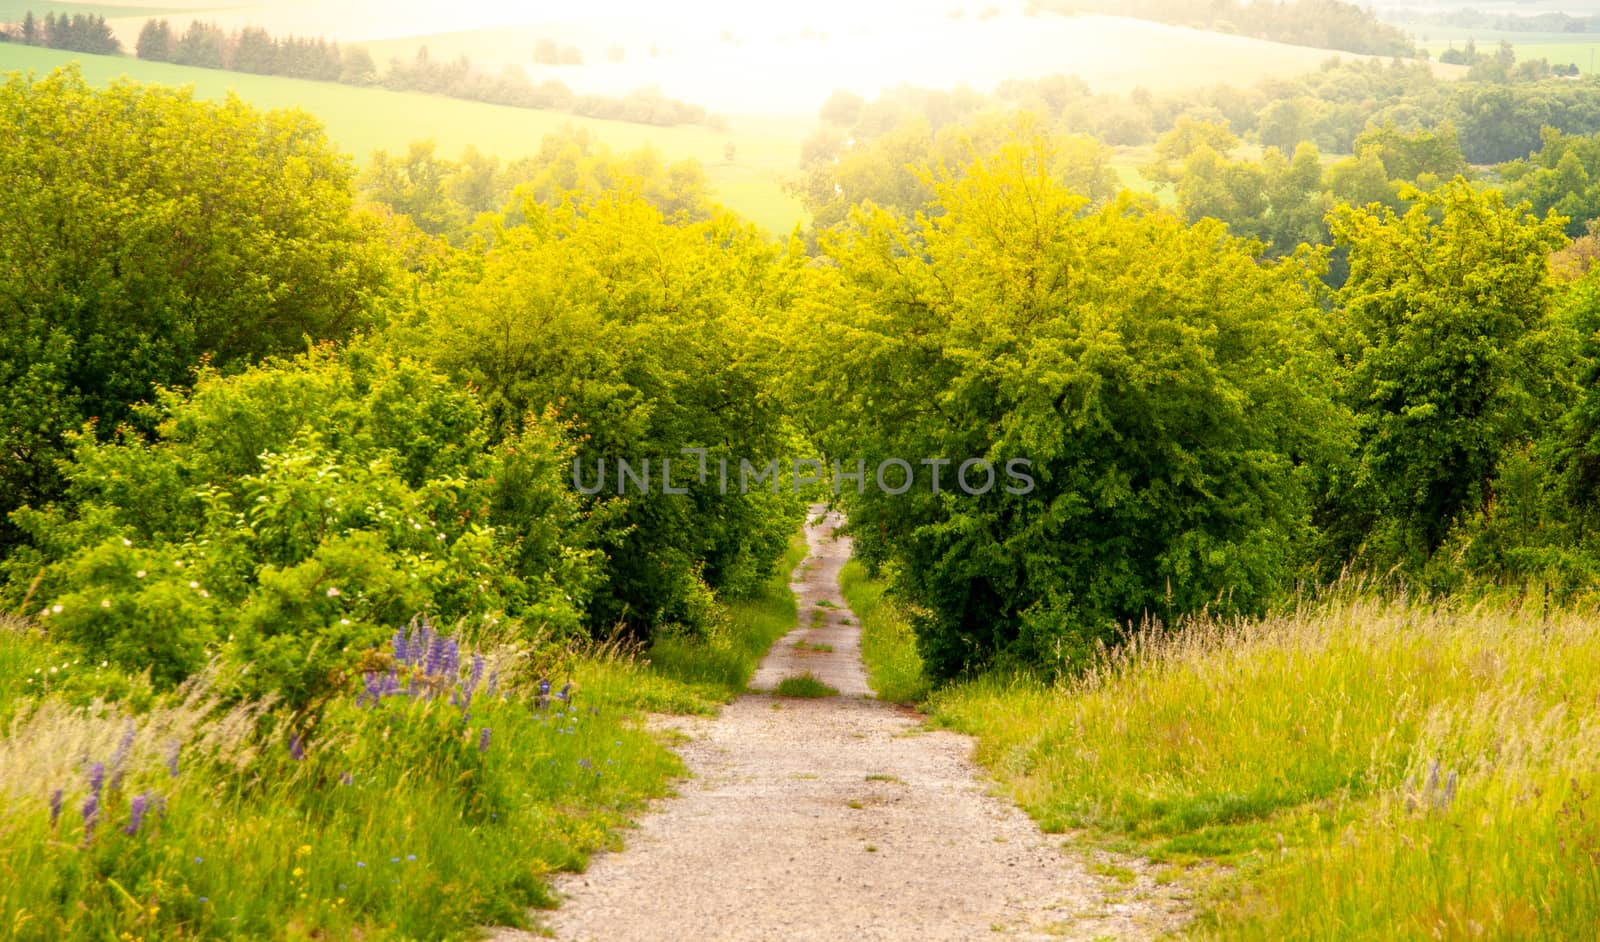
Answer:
(1370, 769)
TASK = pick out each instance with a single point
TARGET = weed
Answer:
(805, 686)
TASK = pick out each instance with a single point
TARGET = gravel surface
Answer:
(842, 818)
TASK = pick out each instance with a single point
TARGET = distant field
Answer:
(1580, 49)
(361, 120)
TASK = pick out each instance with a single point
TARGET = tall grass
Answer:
(888, 645)
(719, 668)
(1370, 769)
(426, 809)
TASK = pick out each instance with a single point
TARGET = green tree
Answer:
(1442, 338)
(1160, 378)
(649, 338)
(155, 41)
(143, 233)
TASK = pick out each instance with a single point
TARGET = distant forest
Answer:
(1322, 24)
(254, 50)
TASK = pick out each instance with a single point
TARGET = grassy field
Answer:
(1580, 49)
(360, 120)
(405, 817)
(1359, 769)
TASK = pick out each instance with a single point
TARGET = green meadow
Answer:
(361, 120)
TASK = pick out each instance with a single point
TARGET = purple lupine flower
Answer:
(91, 805)
(347, 779)
(540, 702)
(494, 681)
(55, 806)
(452, 658)
(476, 675)
(297, 749)
(566, 693)
(121, 756)
(483, 739)
(172, 757)
(421, 642)
(435, 657)
(136, 810)
(400, 644)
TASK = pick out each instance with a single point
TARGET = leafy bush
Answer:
(649, 338)
(285, 515)
(142, 232)
(1161, 379)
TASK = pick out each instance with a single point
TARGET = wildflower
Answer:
(400, 645)
(136, 810)
(566, 693)
(105, 603)
(333, 592)
(55, 609)
(347, 779)
(126, 542)
(172, 758)
(411, 857)
(139, 575)
(299, 872)
(193, 584)
(542, 701)
(55, 806)
(91, 805)
(121, 756)
(199, 860)
(435, 657)
(483, 739)
(297, 750)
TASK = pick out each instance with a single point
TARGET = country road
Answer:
(840, 818)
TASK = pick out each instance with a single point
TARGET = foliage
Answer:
(444, 197)
(143, 232)
(287, 514)
(1449, 357)
(1160, 379)
(650, 339)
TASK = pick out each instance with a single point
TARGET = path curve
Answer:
(839, 818)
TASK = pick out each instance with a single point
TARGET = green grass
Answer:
(1361, 771)
(401, 821)
(805, 686)
(888, 646)
(361, 120)
(718, 669)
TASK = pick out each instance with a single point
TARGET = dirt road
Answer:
(839, 819)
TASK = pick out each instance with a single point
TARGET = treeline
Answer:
(256, 51)
(863, 150)
(80, 32)
(1506, 22)
(1322, 24)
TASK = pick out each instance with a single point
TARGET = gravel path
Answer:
(841, 818)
